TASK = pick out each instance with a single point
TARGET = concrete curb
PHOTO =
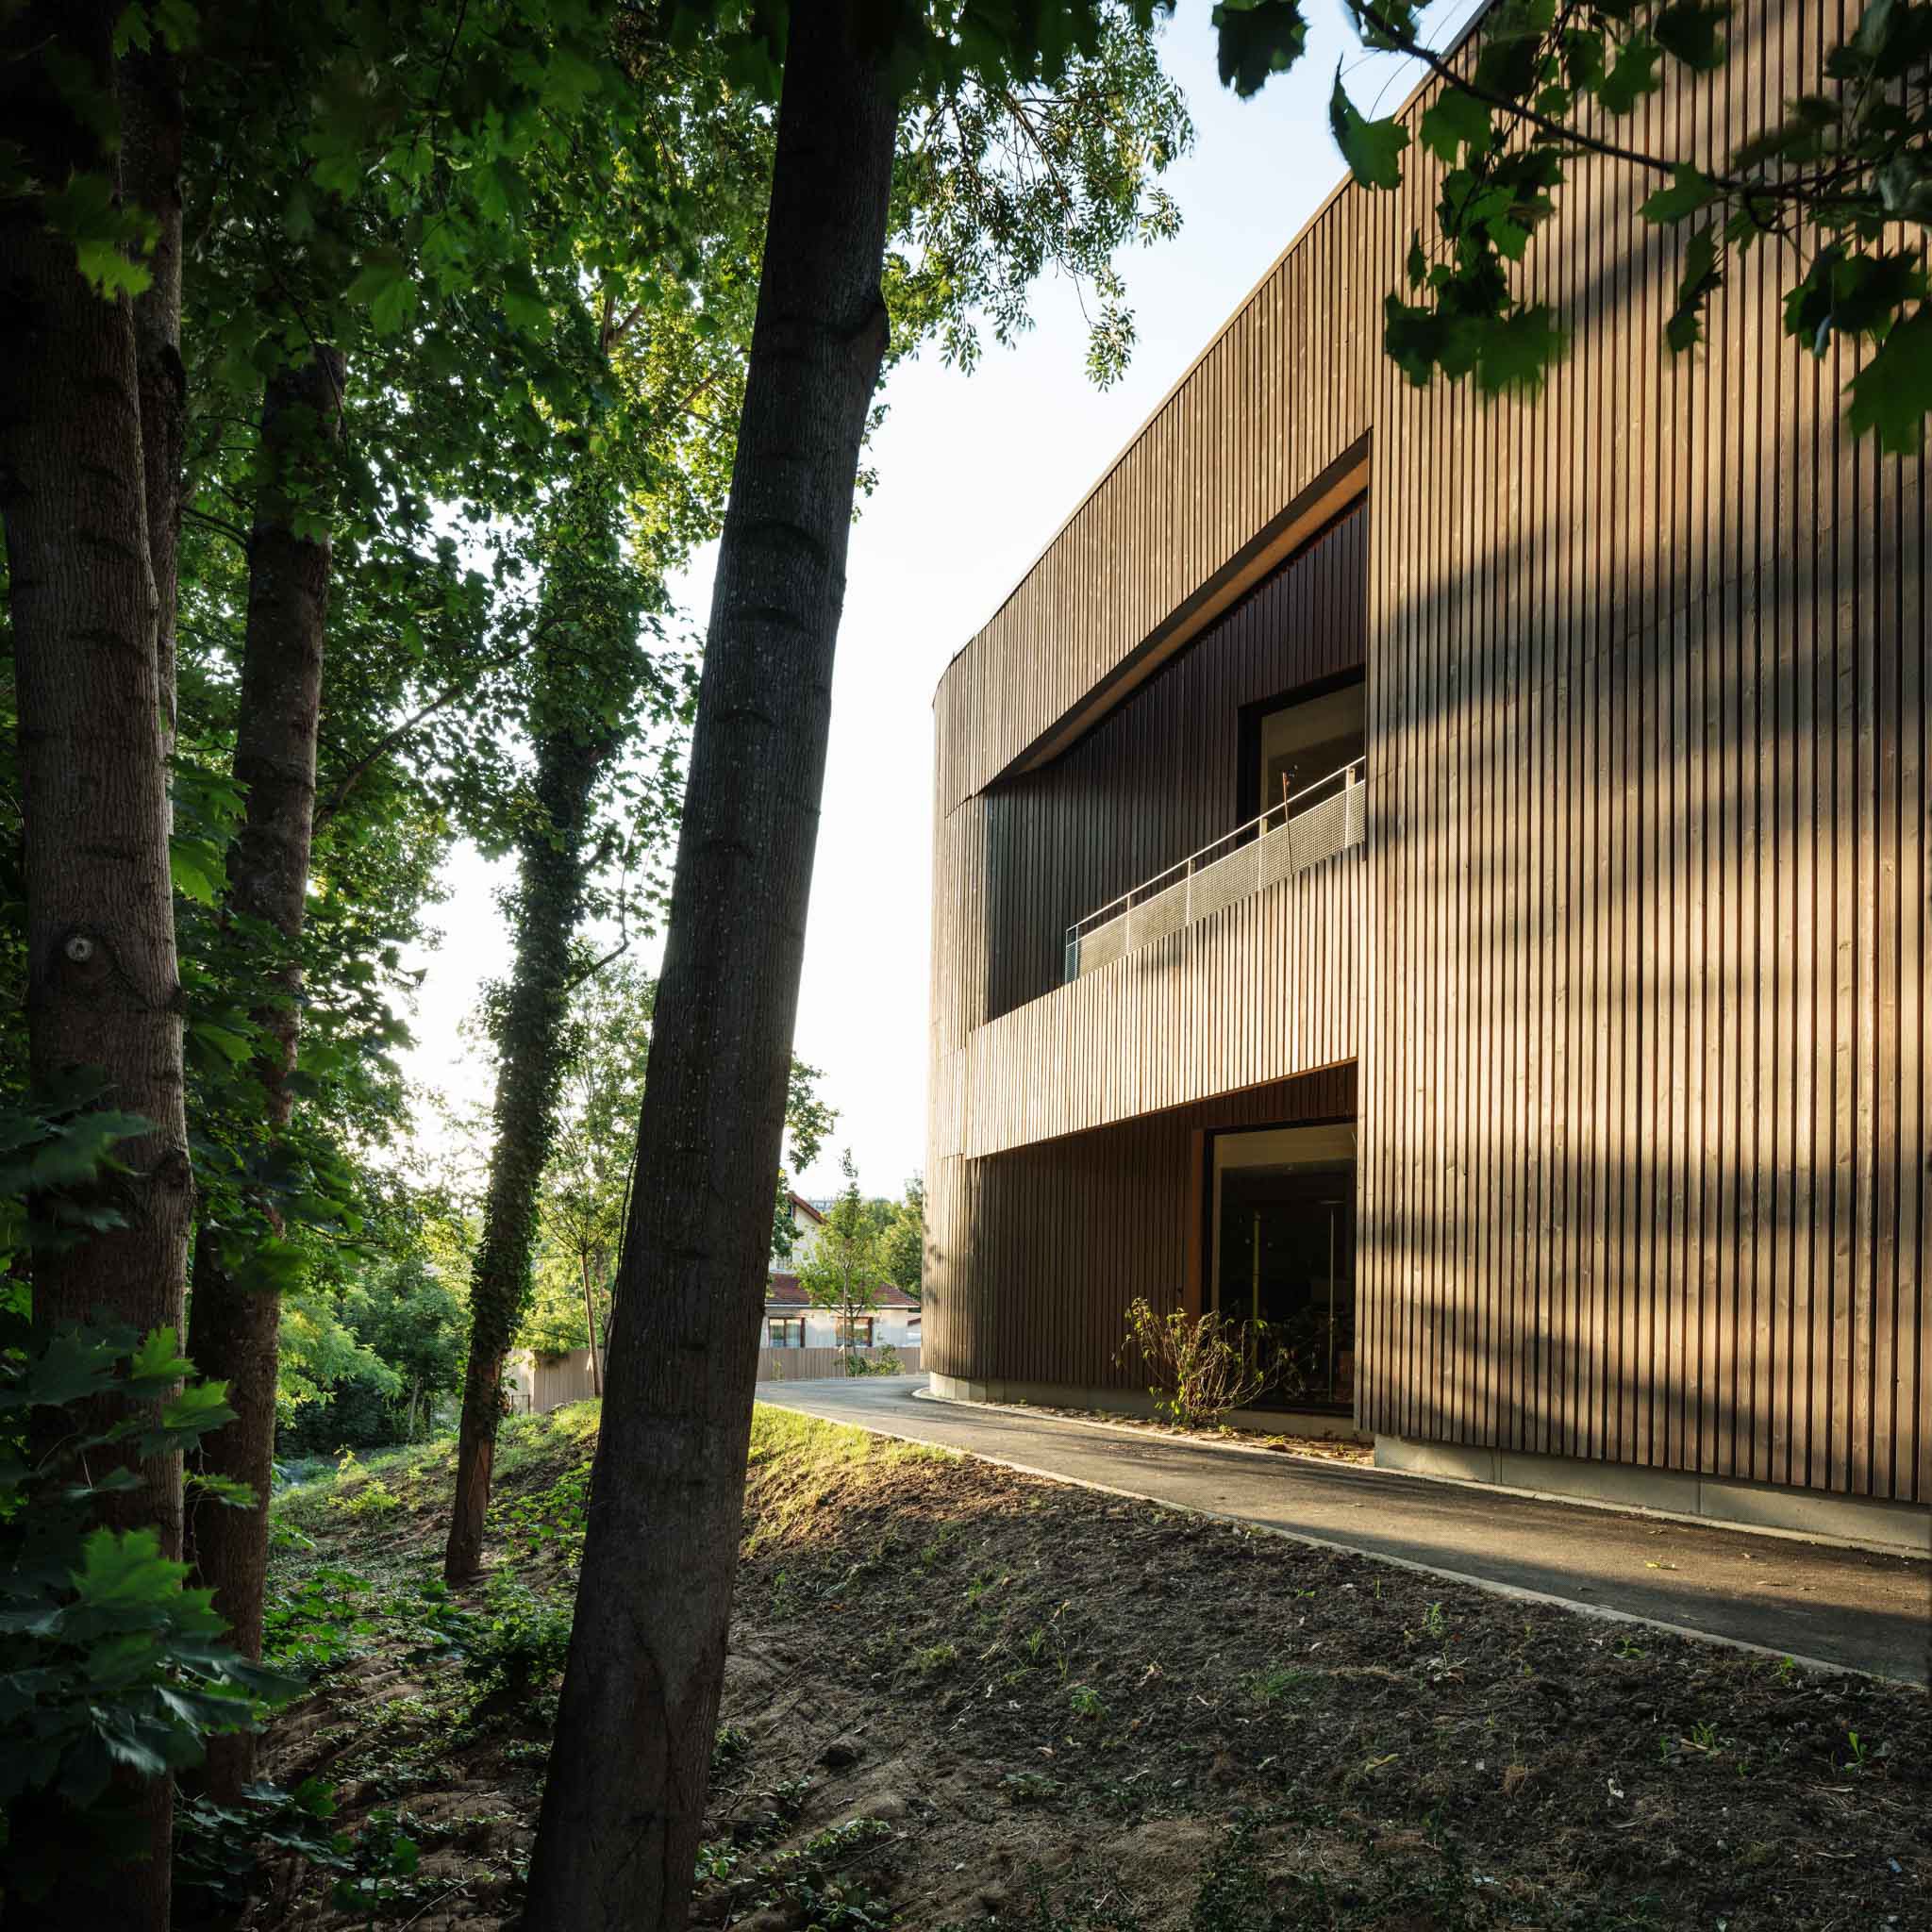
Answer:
(1513, 1591)
(1470, 1485)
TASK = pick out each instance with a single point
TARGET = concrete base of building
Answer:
(1268, 1422)
(1904, 1526)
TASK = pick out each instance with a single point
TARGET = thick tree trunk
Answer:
(625, 1803)
(102, 989)
(550, 890)
(237, 1320)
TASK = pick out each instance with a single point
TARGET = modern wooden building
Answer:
(1553, 1061)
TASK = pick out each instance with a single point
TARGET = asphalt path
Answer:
(1817, 1601)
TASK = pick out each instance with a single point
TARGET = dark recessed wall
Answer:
(1161, 776)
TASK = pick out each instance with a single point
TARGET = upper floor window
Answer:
(1294, 742)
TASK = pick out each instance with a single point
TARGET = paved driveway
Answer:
(1807, 1600)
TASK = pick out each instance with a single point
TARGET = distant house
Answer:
(793, 1322)
(807, 1220)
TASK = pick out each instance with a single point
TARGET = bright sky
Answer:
(976, 474)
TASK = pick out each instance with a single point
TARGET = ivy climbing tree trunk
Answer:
(618, 1839)
(236, 1311)
(551, 873)
(103, 992)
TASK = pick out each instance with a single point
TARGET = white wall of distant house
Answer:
(891, 1328)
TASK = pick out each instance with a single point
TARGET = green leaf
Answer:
(1373, 149)
(1689, 32)
(1691, 189)
(1891, 395)
(1256, 39)
(1700, 280)
(1453, 121)
(1634, 75)
(233, 1046)
(196, 867)
(158, 1363)
(1517, 353)
(386, 288)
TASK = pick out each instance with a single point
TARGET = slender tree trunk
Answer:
(590, 1323)
(618, 1839)
(238, 1318)
(151, 137)
(103, 992)
(552, 863)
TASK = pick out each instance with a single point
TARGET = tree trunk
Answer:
(551, 866)
(103, 992)
(151, 136)
(237, 1320)
(623, 1809)
(590, 1323)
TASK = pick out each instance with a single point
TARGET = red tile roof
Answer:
(785, 1292)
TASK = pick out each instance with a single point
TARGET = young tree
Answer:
(624, 1801)
(581, 1205)
(905, 1238)
(848, 1266)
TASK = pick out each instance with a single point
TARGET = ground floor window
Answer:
(855, 1333)
(785, 1331)
(1281, 1253)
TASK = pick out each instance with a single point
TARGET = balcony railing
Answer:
(1304, 828)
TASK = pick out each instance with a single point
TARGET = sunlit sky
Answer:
(976, 474)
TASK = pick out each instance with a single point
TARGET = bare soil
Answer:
(959, 1697)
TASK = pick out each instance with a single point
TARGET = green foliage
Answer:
(55, 1153)
(903, 1239)
(221, 1851)
(1838, 177)
(109, 1661)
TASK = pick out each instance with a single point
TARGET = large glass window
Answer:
(1283, 1254)
(785, 1331)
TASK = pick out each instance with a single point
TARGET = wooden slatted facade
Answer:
(1634, 962)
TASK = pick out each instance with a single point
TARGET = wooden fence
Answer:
(540, 1383)
(811, 1364)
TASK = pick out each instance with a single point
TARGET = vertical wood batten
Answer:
(1637, 951)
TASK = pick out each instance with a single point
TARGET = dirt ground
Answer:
(959, 1697)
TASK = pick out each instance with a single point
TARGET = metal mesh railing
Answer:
(1315, 823)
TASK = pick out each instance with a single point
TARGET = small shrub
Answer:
(1086, 1701)
(1199, 1369)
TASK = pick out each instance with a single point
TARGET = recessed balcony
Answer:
(1305, 828)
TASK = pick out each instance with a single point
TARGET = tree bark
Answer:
(103, 992)
(551, 868)
(238, 1321)
(624, 1806)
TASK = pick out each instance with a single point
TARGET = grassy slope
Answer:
(960, 1697)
